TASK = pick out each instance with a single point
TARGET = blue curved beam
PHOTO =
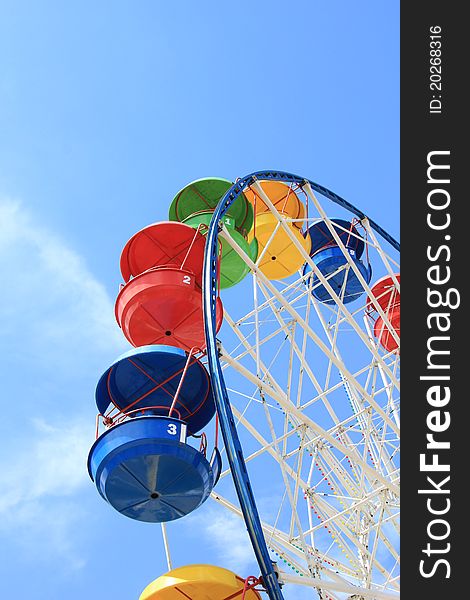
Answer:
(224, 410)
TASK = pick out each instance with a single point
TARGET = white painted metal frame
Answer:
(317, 399)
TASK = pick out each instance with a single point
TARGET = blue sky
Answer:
(106, 110)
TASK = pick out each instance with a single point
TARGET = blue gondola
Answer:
(149, 377)
(330, 260)
(321, 236)
(145, 469)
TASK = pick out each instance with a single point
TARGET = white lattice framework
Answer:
(316, 400)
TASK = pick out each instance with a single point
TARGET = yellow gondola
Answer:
(281, 257)
(282, 196)
(198, 582)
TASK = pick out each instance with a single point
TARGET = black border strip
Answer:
(424, 246)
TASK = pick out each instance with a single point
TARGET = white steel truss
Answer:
(316, 399)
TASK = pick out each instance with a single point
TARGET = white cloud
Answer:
(57, 332)
(38, 506)
(226, 535)
(49, 297)
(53, 464)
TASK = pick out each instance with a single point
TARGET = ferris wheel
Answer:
(300, 367)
